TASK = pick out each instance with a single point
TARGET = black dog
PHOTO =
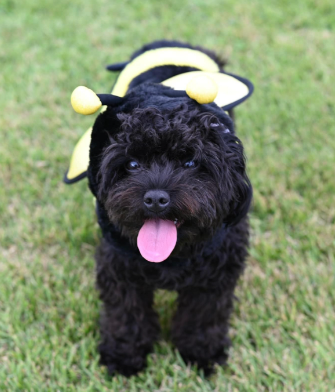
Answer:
(169, 177)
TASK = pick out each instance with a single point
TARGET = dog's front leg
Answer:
(200, 326)
(129, 327)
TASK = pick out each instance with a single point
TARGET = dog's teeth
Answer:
(175, 221)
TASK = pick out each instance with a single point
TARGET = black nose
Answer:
(156, 200)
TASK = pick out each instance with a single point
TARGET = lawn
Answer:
(283, 324)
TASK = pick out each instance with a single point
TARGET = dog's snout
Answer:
(156, 200)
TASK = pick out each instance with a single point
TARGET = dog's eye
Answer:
(133, 165)
(190, 164)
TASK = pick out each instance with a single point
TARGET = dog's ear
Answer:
(240, 207)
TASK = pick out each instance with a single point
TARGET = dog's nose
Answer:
(156, 200)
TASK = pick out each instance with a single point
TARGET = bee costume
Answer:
(196, 76)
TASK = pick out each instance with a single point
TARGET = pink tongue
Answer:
(157, 239)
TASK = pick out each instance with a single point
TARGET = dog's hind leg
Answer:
(200, 326)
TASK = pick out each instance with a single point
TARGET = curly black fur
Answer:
(210, 202)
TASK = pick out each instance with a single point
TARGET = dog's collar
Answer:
(122, 246)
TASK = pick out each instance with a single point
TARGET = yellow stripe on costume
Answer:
(181, 57)
(80, 156)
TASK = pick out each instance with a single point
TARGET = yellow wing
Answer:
(80, 159)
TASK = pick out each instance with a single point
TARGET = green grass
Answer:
(283, 325)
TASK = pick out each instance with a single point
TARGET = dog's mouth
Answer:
(157, 238)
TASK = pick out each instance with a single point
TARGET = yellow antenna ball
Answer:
(202, 88)
(85, 101)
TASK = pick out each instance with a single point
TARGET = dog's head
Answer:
(169, 172)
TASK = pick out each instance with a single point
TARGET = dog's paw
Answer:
(206, 364)
(120, 363)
